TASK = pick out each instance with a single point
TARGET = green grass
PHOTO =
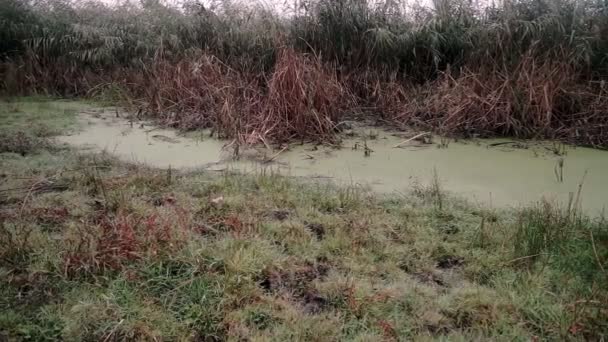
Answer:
(41, 116)
(28, 124)
(110, 251)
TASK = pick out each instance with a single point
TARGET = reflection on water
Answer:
(499, 175)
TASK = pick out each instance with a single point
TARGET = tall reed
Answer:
(521, 67)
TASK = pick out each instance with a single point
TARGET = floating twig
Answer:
(274, 156)
(417, 136)
(502, 143)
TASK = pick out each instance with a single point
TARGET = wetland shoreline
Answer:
(498, 172)
(96, 248)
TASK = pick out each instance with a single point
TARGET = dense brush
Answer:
(523, 68)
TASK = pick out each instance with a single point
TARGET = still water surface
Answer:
(492, 175)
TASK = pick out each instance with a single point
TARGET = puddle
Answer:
(495, 176)
(141, 142)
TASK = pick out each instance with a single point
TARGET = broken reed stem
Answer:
(597, 257)
(98, 178)
(274, 156)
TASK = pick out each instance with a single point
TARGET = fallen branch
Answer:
(502, 143)
(274, 156)
(412, 138)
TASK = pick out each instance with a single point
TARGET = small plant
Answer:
(116, 241)
(349, 197)
(372, 135)
(482, 235)
(261, 320)
(366, 150)
(559, 170)
(541, 229)
(436, 190)
(15, 243)
(559, 148)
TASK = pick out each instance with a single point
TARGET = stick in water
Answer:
(410, 139)
(273, 157)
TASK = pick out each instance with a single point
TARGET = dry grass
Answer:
(305, 98)
(300, 99)
(521, 68)
(535, 100)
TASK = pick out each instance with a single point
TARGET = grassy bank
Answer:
(94, 249)
(516, 68)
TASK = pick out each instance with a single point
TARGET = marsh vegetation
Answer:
(515, 68)
(496, 172)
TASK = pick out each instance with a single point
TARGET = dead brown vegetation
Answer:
(545, 100)
(108, 242)
(301, 98)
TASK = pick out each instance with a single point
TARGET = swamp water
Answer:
(484, 171)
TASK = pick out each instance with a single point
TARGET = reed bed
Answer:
(519, 68)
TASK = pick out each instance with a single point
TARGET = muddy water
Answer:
(142, 143)
(493, 175)
(496, 177)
